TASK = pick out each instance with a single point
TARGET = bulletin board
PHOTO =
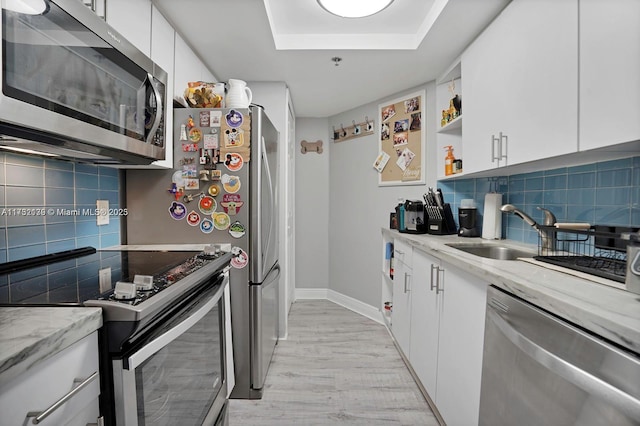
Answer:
(401, 136)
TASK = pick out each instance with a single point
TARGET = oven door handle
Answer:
(164, 339)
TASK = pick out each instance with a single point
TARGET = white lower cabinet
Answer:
(426, 304)
(402, 282)
(446, 336)
(39, 388)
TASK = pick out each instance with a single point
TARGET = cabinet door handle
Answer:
(406, 288)
(433, 267)
(400, 252)
(506, 143)
(39, 416)
(493, 148)
(438, 288)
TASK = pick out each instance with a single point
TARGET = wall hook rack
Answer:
(356, 130)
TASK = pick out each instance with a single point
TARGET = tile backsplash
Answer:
(45, 206)
(606, 193)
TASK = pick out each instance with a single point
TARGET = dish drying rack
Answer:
(599, 250)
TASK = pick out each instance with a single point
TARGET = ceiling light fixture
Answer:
(28, 7)
(354, 8)
(336, 60)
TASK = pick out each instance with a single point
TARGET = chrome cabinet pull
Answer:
(406, 289)
(506, 144)
(432, 268)
(438, 288)
(39, 416)
(493, 148)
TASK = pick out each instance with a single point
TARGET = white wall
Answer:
(312, 205)
(358, 207)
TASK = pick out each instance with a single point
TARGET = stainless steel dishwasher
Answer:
(540, 370)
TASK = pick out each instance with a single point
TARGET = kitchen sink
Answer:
(491, 251)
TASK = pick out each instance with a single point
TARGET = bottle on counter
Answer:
(400, 214)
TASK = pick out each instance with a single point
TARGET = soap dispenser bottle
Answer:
(448, 161)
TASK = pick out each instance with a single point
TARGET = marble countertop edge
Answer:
(29, 335)
(610, 312)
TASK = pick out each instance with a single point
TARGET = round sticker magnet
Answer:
(231, 184)
(233, 161)
(237, 230)
(234, 119)
(193, 219)
(207, 205)
(177, 210)
(240, 258)
(221, 220)
(206, 226)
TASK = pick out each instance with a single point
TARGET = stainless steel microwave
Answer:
(73, 87)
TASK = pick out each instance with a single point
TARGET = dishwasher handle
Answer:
(580, 378)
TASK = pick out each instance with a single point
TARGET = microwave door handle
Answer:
(158, 115)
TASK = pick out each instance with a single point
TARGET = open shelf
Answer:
(454, 125)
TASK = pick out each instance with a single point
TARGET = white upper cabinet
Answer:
(521, 86)
(188, 67)
(609, 72)
(162, 41)
(132, 19)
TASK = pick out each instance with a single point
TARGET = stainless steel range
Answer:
(163, 343)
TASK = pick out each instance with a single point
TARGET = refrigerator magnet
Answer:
(240, 258)
(193, 218)
(215, 117)
(183, 132)
(210, 141)
(206, 226)
(237, 230)
(233, 161)
(221, 220)
(231, 204)
(177, 211)
(214, 190)
(216, 174)
(231, 184)
(233, 138)
(204, 118)
(234, 119)
(195, 135)
(192, 183)
(207, 205)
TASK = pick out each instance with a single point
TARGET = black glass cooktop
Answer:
(90, 274)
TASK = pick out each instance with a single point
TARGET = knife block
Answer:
(442, 225)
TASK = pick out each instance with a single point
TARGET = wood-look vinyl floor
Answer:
(336, 367)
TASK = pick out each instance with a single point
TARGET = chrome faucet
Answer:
(548, 237)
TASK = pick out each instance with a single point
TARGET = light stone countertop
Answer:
(610, 312)
(29, 335)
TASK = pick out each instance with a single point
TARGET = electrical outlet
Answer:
(102, 212)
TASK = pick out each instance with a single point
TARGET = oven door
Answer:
(177, 374)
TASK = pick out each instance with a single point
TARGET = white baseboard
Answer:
(348, 302)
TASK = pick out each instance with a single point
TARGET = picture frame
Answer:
(401, 136)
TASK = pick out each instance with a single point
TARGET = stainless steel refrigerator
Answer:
(229, 199)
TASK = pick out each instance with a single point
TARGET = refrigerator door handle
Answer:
(271, 201)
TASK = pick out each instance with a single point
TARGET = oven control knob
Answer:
(143, 282)
(125, 290)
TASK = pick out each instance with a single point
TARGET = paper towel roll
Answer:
(492, 219)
